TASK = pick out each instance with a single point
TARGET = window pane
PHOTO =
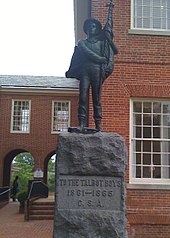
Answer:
(166, 133)
(137, 146)
(168, 3)
(146, 172)
(147, 107)
(156, 107)
(146, 132)
(156, 146)
(156, 159)
(156, 12)
(147, 159)
(156, 132)
(146, 23)
(146, 2)
(137, 107)
(134, 171)
(139, 11)
(138, 172)
(157, 172)
(165, 159)
(137, 119)
(156, 120)
(166, 146)
(166, 107)
(166, 120)
(146, 119)
(139, 23)
(163, 23)
(146, 11)
(138, 158)
(156, 3)
(137, 132)
(157, 23)
(138, 3)
(165, 173)
(147, 146)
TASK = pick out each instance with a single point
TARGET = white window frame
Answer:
(149, 31)
(12, 117)
(69, 110)
(144, 181)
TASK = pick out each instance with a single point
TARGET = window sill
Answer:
(149, 186)
(57, 132)
(149, 32)
(19, 132)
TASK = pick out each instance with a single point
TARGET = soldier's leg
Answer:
(83, 101)
(96, 93)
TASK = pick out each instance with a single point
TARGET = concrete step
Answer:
(41, 217)
(35, 207)
(47, 203)
(42, 212)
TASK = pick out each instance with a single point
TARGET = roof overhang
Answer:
(39, 91)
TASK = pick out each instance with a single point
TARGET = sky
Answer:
(36, 37)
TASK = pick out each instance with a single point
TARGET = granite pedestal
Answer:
(90, 197)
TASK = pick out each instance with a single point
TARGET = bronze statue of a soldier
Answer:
(92, 62)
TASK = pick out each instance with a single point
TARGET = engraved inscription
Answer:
(89, 192)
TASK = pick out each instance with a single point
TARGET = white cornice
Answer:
(39, 91)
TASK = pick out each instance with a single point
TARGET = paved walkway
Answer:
(12, 224)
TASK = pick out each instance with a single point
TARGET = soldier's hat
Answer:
(88, 22)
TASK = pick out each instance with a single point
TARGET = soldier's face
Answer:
(93, 30)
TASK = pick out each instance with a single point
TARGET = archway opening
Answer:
(7, 165)
(51, 173)
(23, 167)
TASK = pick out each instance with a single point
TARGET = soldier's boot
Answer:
(98, 125)
(81, 124)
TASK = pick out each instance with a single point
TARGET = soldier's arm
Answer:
(91, 55)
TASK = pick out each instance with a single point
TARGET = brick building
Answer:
(33, 112)
(135, 102)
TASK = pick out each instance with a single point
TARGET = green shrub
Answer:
(22, 196)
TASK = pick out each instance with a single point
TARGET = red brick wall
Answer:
(142, 69)
(149, 231)
(39, 142)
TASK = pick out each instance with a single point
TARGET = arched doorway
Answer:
(51, 173)
(9, 159)
(23, 167)
(49, 170)
(48, 157)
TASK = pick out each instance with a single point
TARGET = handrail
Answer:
(4, 195)
(5, 191)
(37, 189)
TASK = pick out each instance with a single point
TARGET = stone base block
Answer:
(90, 186)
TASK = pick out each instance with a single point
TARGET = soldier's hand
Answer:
(103, 60)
